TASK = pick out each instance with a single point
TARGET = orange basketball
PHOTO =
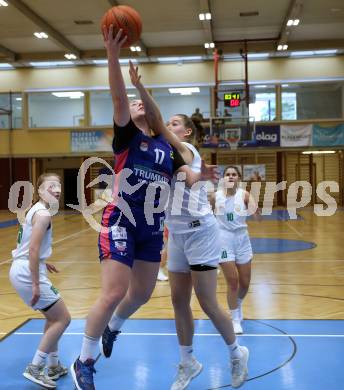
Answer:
(125, 18)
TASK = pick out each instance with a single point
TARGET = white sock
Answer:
(235, 314)
(89, 349)
(40, 358)
(239, 301)
(234, 350)
(186, 354)
(116, 323)
(53, 359)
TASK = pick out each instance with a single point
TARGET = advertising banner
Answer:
(328, 136)
(295, 136)
(91, 141)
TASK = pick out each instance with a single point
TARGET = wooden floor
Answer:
(296, 285)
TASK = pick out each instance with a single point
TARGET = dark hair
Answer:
(187, 122)
(195, 125)
(232, 167)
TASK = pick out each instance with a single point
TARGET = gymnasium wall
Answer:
(168, 74)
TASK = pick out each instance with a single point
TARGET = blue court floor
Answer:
(284, 354)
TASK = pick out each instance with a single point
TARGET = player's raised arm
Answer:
(117, 87)
(154, 117)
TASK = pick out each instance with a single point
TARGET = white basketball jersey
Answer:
(189, 210)
(24, 237)
(231, 211)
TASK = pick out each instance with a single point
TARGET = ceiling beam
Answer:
(144, 51)
(206, 24)
(294, 12)
(8, 54)
(55, 35)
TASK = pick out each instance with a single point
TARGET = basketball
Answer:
(125, 18)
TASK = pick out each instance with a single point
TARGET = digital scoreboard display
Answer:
(232, 99)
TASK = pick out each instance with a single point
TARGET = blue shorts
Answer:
(122, 241)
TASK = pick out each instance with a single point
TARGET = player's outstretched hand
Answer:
(134, 75)
(113, 44)
(210, 172)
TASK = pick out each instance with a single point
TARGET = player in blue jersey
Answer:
(130, 242)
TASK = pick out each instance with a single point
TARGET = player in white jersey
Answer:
(193, 249)
(232, 206)
(28, 275)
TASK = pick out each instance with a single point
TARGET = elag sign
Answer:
(267, 136)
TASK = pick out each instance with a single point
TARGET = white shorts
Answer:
(198, 247)
(20, 277)
(235, 246)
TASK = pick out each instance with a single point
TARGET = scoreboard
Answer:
(232, 99)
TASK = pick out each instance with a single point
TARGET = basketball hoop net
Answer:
(233, 137)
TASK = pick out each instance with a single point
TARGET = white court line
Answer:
(196, 334)
(294, 229)
(54, 242)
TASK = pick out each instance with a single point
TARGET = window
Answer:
(101, 108)
(56, 109)
(262, 103)
(289, 111)
(178, 100)
(312, 101)
(5, 110)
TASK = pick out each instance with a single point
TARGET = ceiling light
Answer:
(210, 45)
(100, 62)
(283, 46)
(41, 35)
(204, 16)
(125, 61)
(296, 22)
(257, 55)
(49, 64)
(5, 65)
(3, 3)
(290, 22)
(19, 99)
(184, 91)
(70, 56)
(135, 48)
(325, 52)
(319, 152)
(179, 59)
(301, 53)
(71, 95)
(131, 95)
